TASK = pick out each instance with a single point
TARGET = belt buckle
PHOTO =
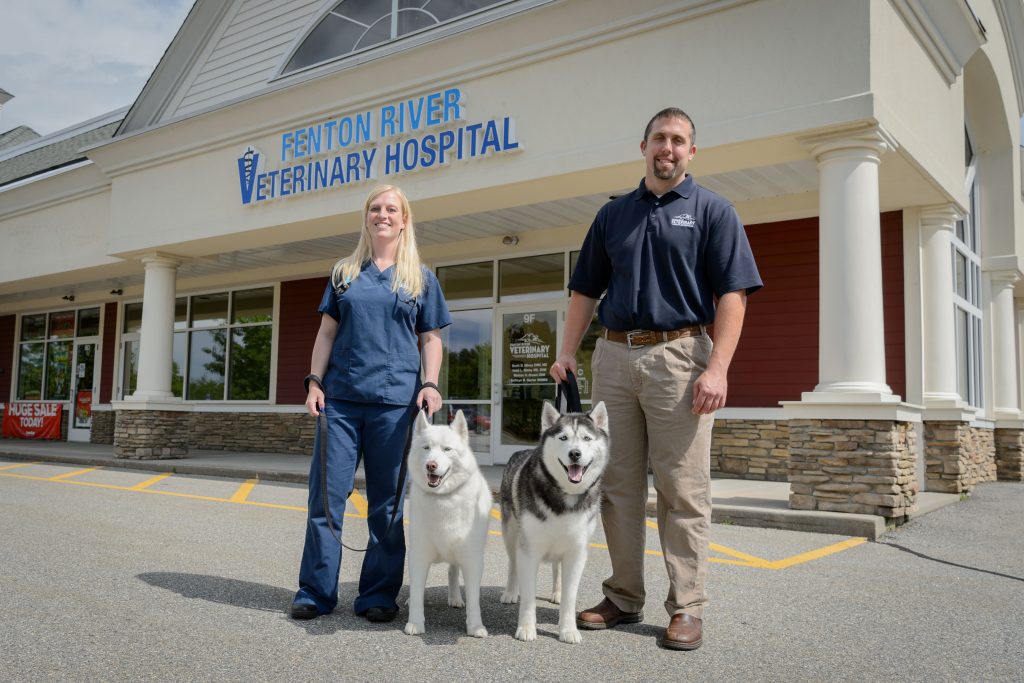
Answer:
(634, 333)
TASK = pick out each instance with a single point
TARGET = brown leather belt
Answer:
(647, 337)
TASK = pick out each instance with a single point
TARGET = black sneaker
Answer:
(301, 610)
(381, 614)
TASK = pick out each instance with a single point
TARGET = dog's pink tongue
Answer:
(575, 474)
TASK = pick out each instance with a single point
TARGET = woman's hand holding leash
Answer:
(431, 395)
(314, 394)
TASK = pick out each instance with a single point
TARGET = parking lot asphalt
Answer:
(734, 501)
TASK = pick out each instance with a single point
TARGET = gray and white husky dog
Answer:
(449, 515)
(550, 499)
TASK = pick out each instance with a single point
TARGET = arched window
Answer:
(355, 25)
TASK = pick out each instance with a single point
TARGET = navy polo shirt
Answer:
(663, 260)
(375, 357)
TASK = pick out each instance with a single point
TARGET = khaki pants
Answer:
(649, 392)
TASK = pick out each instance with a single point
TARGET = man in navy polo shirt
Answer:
(661, 256)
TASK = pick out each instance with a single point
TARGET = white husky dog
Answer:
(449, 515)
(550, 497)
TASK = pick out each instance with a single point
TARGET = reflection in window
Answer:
(354, 25)
(466, 364)
(470, 284)
(45, 350)
(250, 363)
(88, 322)
(62, 325)
(531, 278)
(132, 318)
(206, 365)
(58, 370)
(30, 372)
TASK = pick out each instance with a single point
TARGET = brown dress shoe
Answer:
(683, 633)
(606, 615)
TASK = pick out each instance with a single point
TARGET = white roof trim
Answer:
(948, 31)
(1011, 19)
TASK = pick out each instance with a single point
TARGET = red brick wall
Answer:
(7, 343)
(777, 358)
(298, 326)
(108, 350)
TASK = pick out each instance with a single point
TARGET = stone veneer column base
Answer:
(856, 466)
(750, 449)
(102, 430)
(1009, 454)
(151, 434)
(958, 456)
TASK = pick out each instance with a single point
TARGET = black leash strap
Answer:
(321, 435)
(567, 395)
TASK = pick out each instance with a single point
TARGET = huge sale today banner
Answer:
(32, 420)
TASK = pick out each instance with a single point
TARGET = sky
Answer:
(67, 61)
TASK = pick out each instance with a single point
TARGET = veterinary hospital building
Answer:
(161, 266)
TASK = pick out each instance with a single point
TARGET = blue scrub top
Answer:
(376, 357)
(663, 260)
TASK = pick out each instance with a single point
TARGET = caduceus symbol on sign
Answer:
(247, 162)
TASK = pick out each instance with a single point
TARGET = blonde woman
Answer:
(380, 323)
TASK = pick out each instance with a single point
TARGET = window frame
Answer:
(409, 41)
(46, 340)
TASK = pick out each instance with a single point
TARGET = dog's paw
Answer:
(509, 598)
(412, 629)
(570, 635)
(526, 633)
(455, 600)
(477, 631)
(556, 598)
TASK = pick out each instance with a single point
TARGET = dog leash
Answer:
(567, 395)
(321, 436)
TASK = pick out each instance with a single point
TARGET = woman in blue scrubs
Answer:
(380, 322)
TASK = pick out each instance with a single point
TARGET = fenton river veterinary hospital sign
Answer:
(415, 134)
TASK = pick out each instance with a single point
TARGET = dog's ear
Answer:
(460, 427)
(421, 422)
(548, 416)
(599, 414)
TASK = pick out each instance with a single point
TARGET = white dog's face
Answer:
(440, 459)
(575, 446)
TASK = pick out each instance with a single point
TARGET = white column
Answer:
(1005, 372)
(851, 343)
(157, 335)
(938, 334)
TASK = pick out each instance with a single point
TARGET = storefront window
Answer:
(466, 365)
(89, 322)
(132, 318)
(206, 365)
(531, 278)
(46, 351)
(209, 310)
(470, 284)
(250, 363)
(178, 363)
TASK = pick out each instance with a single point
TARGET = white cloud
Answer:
(66, 61)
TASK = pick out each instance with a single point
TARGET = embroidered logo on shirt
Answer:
(684, 220)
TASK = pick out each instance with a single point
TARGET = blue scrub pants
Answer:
(379, 432)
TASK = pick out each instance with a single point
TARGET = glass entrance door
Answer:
(84, 390)
(527, 337)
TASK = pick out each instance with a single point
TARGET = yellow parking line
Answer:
(496, 513)
(816, 554)
(68, 475)
(20, 464)
(243, 491)
(149, 482)
(359, 503)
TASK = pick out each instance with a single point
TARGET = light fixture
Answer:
(510, 240)
(68, 297)
(117, 292)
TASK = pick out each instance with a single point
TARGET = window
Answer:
(45, 349)
(222, 346)
(966, 285)
(355, 25)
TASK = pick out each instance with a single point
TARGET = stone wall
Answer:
(958, 456)
(751, 449)
(102, 427)
(151, 434)
(856, 466)
(269, 432)
(1010, 454)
